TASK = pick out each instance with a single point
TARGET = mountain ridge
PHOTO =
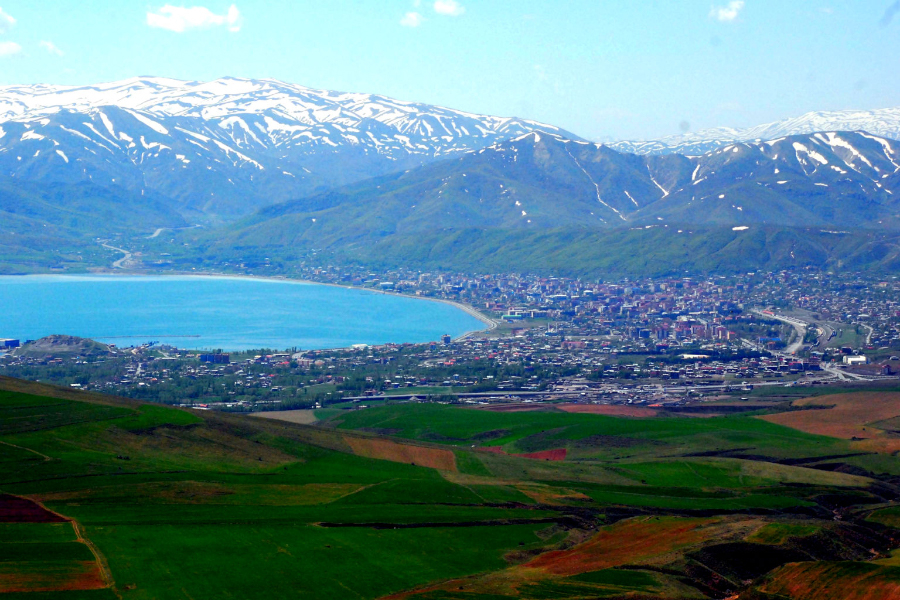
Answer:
(226, 147)
(880, 122)
(541, 202)
(543, 181)
(263, 164)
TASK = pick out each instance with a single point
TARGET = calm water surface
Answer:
(218, 312)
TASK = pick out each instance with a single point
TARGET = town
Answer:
(642, 342)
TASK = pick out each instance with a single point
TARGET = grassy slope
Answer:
(197, 494)
(636, 462)
(522, 431)
(188, 505)
(571, 251)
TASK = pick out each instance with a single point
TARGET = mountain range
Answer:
(542, 181)
(882, 122)
(224, 148)
(540, 193)
(275, 169)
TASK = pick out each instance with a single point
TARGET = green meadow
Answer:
(186, 504)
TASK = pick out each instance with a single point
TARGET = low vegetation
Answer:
(106, 497)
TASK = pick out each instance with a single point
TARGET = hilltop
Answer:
(62, 345)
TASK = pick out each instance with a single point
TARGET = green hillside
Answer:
(573, 252)
(102, 497)
(544, 204)
(55, 226)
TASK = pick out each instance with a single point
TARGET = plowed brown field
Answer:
(848, 417)
(435, 458)
(50, 576)
(624, 543)
(834, 581)
(555, 454)
(19, 510)
(613, 410)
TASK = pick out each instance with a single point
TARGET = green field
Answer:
(184, 504)
(586, 436)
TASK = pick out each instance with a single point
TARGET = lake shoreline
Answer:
(471, 310)
(490, 324)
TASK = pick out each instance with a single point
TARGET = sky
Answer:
(602, 69)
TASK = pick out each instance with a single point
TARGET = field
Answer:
(104, 498)
(304, 417)
(834, 581)
(434, 458)
(610, 410)
(635, 542)
(590, 436)
(868, 419)
(40, 551)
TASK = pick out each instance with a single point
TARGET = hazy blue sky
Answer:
(605, 69)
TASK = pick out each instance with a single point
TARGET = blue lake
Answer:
(219, 312)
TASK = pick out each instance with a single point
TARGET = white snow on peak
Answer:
(277, 101)
(108, 124)
(881, 122)
(798, 148)
(149, 123)
(835, 141)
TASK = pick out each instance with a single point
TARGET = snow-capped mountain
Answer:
(228, 146)
(884, 122)
(541, 183)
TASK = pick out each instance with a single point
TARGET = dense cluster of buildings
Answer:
(629, 341)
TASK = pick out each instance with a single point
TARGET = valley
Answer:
(449, 300)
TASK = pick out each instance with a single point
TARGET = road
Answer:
(798, 325)
(157, 233)
(828, 368)
(119, 264)
(869, 335)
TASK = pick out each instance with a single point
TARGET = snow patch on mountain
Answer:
(249, 136)
(883, 123)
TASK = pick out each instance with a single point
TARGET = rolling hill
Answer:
(104, 498)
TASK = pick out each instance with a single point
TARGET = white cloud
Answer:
(450, 8)
(180, 19)
(51, 48)
(412, 19)
(6, 21)
(9, 48)
(729, 13)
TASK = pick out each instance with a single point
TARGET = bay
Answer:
(229, 313)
